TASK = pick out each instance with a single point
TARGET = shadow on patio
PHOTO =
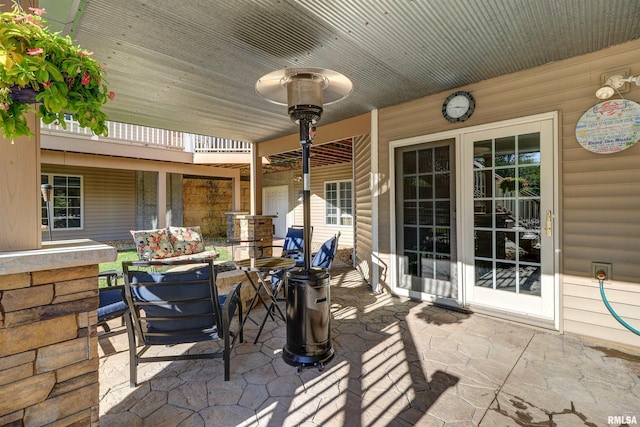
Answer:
(398, 362)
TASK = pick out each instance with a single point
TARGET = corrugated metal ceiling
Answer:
(192, 65)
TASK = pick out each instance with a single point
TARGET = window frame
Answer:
(50, 179)
(342, 219)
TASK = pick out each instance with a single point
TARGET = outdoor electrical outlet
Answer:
(597, 268)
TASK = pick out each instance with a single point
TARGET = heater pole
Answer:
(307, 289)
(306, 139)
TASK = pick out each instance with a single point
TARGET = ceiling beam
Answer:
(355, 126)
(97, 161)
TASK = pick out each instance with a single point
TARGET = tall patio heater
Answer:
(305, 91)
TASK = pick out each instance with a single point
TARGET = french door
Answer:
(425, 215)
(509, 219)
(474, 218)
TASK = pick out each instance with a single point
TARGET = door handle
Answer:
(549, 222)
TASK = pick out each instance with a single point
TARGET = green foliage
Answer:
(67, 79)
(127, 255)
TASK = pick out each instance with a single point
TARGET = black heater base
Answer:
(301, 362)
(308, 319)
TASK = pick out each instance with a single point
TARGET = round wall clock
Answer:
(458, 106)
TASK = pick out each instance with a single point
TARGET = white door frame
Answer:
(462, 176)
(281, 222)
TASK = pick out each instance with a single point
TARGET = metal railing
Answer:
(152, 137)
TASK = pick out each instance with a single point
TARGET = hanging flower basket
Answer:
(26, 95)
(508, 184)
(38, 66)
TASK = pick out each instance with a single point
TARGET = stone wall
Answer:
(49, 347)
(205, 202)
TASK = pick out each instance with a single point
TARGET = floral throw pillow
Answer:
(153, 244)
(186, 240)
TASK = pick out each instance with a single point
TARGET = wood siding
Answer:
(363, 208)
(599, 212)
(108, 200)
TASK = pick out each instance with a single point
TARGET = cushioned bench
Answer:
(175, 243)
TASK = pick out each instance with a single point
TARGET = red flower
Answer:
(34, 52)
(112, 95)
(47, 84)
(37, 11)
(34, 21)
(86, 78)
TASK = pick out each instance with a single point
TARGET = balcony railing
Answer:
(212, 144)
(152, 137)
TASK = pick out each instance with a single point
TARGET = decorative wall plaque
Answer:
(609, 127)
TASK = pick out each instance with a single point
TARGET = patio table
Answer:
(262, 267)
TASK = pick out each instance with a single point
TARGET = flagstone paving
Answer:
(398, 363)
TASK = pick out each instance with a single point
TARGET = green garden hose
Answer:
(613, 312)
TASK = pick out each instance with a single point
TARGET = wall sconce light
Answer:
(613, 84)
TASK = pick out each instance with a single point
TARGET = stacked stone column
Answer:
(253, 227)
(48, 345)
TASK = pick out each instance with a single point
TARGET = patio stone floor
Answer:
(398, 363)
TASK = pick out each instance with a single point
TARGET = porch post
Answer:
(162, 199)
(375, 203)
(256, 181)
(20, 216)
(236, 192)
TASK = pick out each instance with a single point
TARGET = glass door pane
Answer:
(507, 213)
(509, 246)
(425, 219)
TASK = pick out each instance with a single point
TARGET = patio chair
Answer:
(322, 259)
(178, 305)
(325, 256)
(111, 306)
(293, 246)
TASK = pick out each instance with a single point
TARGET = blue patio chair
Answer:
(321, 259)
(293, 245)
(325, 256)
(178, 305)
(111, 306)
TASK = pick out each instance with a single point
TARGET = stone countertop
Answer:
(58, 254)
